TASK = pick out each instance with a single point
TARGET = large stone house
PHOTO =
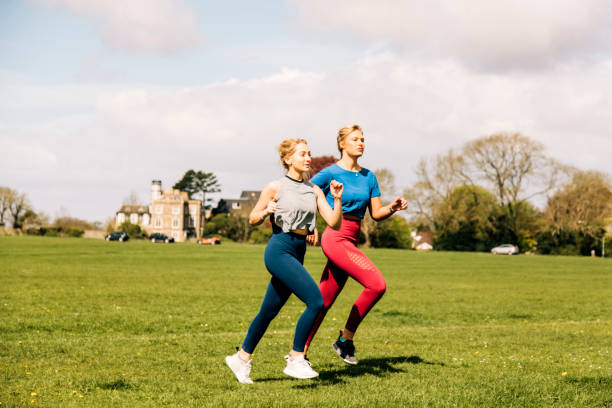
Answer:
(171, 212)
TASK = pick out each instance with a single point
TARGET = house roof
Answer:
(250, 194)
(423, 237)
(134, 209)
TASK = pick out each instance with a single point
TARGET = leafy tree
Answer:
(466, 220)
(581, 205)
(393, 232)
(217, 225)
(237, 228)
(386, 184)
(577, 215)
(197, 184)
(185, 184)
(318, 163)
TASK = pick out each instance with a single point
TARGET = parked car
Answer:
(117, 236)
(505, 249)
(159, 237)
(209, 240)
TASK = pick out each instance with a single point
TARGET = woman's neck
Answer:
(349, 163)
(294, 174)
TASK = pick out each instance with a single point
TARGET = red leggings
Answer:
(344, 260)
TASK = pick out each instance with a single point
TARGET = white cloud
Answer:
(152, 26)
(89, 162)
(486, 34)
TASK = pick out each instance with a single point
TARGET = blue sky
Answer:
(98, 98)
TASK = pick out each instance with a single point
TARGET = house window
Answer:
(175, 223)
(134, 218)
(145, 219)
(192, 209)
(120, 218)
(159, 209)
(176, 210)
(191, 221)
(235, 205)
(158, 222)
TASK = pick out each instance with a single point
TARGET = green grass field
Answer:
(91, 323)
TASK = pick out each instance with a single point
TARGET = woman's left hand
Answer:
(336, 188)
(399, 204)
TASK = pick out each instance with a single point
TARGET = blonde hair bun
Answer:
(287, 148)
(344, 132)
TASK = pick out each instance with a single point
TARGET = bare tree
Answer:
(6, 196)
(18, 208)
(515, 168)
(437, 178)
(132, 199)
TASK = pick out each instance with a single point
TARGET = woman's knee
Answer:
(268, 313)
(316, 303)
(379, 287)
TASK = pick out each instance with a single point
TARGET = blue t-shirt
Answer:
(359, 187)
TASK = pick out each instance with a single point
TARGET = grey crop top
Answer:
(296, 205)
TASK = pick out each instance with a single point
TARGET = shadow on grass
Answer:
(373, 366)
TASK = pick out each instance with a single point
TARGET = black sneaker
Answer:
(345, 350)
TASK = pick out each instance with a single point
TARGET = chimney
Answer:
(155, 190)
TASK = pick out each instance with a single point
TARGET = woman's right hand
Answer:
(272, 206)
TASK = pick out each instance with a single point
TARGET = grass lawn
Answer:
(89, 323)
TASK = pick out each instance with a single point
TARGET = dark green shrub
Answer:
(33, 231)
(51, 232)
(392, 233)
(76, 232)
(133, 230)
(260, 235)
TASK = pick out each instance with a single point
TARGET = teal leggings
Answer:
(284, 257)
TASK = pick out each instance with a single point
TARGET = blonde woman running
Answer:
(292, 203)
(361, 193)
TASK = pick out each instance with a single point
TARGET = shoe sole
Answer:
(236, 375)
(339, 353)
(290, 374)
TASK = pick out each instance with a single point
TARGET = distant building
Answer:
(422, 241)
(248, 199)
(171, 212)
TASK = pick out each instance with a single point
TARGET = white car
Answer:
(505, 249)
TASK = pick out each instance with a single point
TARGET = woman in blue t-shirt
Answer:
(361, 192)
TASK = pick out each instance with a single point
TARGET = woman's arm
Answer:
(266, 203)
(333, 217)
(380, 212)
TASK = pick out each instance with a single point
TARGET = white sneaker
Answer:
(241, 368)
(299, 367)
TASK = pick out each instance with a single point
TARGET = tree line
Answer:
(481, 195)
(470, 198)
(17, 212)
